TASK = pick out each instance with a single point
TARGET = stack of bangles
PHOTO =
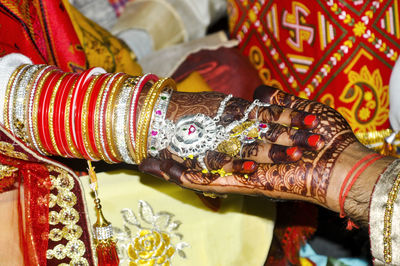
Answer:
(91, 115)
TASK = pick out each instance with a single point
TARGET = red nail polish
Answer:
(313, 140)
(309, 120)
(291, 151)
(248, 165)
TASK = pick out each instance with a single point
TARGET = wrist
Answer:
(356, 202)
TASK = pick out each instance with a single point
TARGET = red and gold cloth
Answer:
(53, 32)
(338, 52)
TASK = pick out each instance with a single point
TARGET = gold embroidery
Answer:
(63, 197)
(6, 171)
(153, 243)
(56, 234)
(20, 131)
(72, 231)
(7, 149)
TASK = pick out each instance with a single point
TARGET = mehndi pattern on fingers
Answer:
(193, 135)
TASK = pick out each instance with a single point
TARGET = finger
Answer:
(217, 161)
(152, 166)
(285, 116)
(278, 134)
(273, 95)
(214, 161)
(270, 153)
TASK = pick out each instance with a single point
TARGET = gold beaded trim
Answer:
(387, 223)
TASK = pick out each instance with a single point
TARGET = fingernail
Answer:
(309, 120)
(249, 166)
(313, 140)
(294, 153)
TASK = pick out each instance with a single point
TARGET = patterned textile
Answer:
(57, 230)
(339, 52)
(53, 32)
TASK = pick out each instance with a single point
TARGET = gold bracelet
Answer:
(12, 83)
(109, 115)
(18, 105)
(145, 117)
(99, 147)
(72, 148)
(131, 148)
(35, 109)
(51, 113)
(29, 88)
(120, 119)
(84, 120)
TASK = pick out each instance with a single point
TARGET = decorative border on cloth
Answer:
(385, 208)
(22, 151)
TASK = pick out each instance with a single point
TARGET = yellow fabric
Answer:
(193, 83)
(100, 47)
(156, 17)
(305, 262)
(240, 233)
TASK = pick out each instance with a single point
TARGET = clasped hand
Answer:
(292, 159)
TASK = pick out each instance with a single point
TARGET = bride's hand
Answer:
(283, 135)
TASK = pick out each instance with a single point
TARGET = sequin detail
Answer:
(63, 220)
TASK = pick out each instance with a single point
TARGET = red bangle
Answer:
(368, 160)
(59, 110)
(44, 102)
(78, 120)
(33, 107)
(91, 110)
(79, 92)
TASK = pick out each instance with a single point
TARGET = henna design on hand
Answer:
(315, 168)
(182, 104)
(309, 177)
(215, 160)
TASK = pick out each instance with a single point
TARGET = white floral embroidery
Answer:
(152, 240)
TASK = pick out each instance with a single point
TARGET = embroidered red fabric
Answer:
(34, 182)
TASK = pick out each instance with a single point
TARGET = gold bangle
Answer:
(84, 120)
(51, 113)
(109, 115)
(145, 117)
(12, 83)
(29, 88)
(120, 117)
(131, 148)
(35, 109)
(97, 116)
(68, 136)
(18, 102)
